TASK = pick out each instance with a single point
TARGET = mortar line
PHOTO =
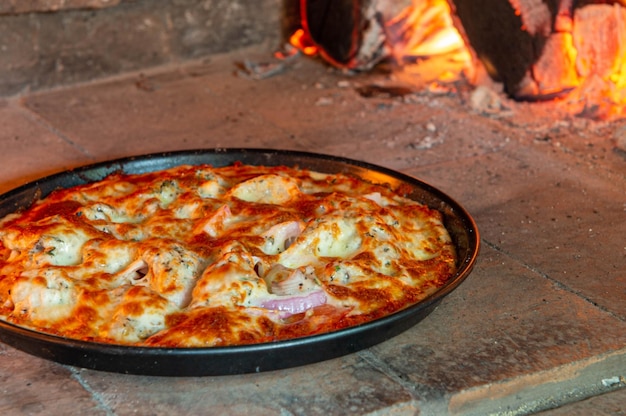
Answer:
(553, 280)
(436, 406)
(34, 117)
(94, 394)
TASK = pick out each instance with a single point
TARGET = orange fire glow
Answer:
(601, 59)
(583, 63)
(416, 30)
(301, 40)
(424, 29)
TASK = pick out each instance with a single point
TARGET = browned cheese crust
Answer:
(198, 256)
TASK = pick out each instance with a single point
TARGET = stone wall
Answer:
(48, 43)
(29, 6)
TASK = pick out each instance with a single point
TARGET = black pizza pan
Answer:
(245, 358)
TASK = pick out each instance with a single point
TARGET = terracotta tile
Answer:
(553, 216)
(323, 110)
(30, 385)
(30, 150)
(137, 115)
(339, 386)
(502, 325)
(208, 105)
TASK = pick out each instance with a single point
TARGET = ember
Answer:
(570, 51)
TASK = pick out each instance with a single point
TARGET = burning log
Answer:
(506, 38)
(358, 34)
(348, 32)
(541, 49)
(538, 49)
(602, 63)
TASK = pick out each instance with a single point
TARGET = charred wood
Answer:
(540, 49)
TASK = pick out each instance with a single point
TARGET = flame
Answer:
(601, 66)
(578, 69)
(302, 40)
(425, 28)
(422, 29)
(424, 34)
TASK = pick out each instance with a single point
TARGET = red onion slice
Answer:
(280, 236)
(135, 272)
(295, 304)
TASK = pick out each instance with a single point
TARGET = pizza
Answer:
(203, 256)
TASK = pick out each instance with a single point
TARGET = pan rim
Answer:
(58, 348)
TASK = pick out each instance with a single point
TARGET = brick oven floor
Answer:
(540, 323)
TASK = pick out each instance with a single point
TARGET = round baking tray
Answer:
(244, 358)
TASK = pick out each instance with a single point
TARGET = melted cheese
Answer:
(266, 189)
(44, 295)
(330, 236)
(172, 271)
(203, 256)
(139, 314)
(230, 281)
